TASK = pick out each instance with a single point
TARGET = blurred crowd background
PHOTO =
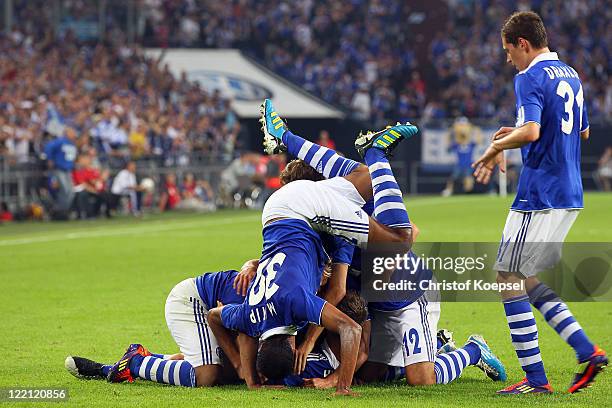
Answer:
(74, 73)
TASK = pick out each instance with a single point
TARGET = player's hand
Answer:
(301, 355)
(318, 383)
(501, 132)
(244, 278)
(484, 166)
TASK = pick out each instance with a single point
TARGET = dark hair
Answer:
(354, 306)
(275, 357)
(527, 25)
(299, 170)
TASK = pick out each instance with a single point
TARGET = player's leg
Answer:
(186, 317)
(521, 227)
(277, 137)
(591, 359)
(451, 361)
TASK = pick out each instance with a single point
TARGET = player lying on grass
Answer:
(283, 294)
(551, 121)
(403, 332)
(199, 362)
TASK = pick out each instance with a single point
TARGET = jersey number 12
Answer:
(564, 90)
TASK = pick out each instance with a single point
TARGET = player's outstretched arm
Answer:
(350, 335)
(504, 139)
(335, 291)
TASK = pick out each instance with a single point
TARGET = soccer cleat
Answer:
(83, 368)
(120, 372)
(524, 387)
(386, 139)
(445, 337)
(588, 370)
(489, 363)
(273, 128)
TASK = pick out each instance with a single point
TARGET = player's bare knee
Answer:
(421, 374)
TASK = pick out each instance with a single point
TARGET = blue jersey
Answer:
(320, 363)
(62, 152)
(354, 278)
(464, 153)
(282, 296)
(549, 93)
(217, 287)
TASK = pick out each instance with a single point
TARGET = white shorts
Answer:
(332, 206)
(532, 241)
(186, 317)
(404, 337)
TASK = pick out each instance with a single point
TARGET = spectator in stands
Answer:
(124, 185)
(604, 170)
(5, 213)
(170, 195)
(86, 181)
(60, 154)
(325, 140)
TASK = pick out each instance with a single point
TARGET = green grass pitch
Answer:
(91, 288)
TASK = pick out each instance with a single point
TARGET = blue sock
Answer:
(389, 208)
(106, 368)
(394, 373)
(559, 317)
(174, 372)
(524, 333)
(449, 366)
(325, 161)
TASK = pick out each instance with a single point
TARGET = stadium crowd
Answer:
(117, 101)
(360, 55)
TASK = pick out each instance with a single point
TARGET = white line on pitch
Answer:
(127, 231)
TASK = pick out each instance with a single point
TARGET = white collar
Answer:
(546, 56)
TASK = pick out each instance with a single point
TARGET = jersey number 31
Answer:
(564, 90)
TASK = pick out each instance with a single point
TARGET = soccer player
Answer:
(283, 294)
(404, 330)
(199, 362)
(551, 122)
